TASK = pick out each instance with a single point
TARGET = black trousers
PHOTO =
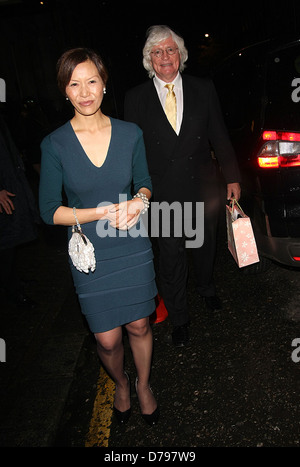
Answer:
(174, 270)
(9, 280)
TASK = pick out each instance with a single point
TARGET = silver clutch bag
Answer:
(81, 250)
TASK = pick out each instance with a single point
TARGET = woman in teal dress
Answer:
(99, 162)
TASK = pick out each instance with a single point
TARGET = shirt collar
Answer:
(161, 84)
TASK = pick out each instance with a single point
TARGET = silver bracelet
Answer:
(145, 200)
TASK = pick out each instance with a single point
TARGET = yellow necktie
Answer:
(170, 105)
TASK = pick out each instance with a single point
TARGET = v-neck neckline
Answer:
(82, 148)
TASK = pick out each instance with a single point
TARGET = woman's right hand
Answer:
(126, 214)
(117, 216)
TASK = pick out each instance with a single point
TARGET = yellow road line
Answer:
(99, 429)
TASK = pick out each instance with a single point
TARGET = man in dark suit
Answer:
(186, 160)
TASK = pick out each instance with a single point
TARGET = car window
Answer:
(282, 110)
(239, 85)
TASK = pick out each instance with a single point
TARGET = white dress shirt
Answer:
(162, 94)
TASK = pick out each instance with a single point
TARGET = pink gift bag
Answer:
(241, 240)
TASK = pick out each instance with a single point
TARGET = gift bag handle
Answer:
(234, 201)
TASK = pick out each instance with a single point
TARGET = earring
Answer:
(67, 98)
(104, 91)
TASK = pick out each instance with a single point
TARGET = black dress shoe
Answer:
(122, 417)
(213, 303)
(180, 335)
(152, 418)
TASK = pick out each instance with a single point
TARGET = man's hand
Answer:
(233, 191)
(5, 202)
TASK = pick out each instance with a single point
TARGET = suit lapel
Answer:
(187, 105)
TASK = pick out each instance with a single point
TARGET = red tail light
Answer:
(287, 136)
(291, 161)
(268, 162)
(280, 135)
(269, 135)
(279, 149)
(296, 258)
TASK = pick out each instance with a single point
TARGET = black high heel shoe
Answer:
(150, 419)
(123, 417)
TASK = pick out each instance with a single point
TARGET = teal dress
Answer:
(122, 288)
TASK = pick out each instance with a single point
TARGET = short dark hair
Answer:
(69, 61)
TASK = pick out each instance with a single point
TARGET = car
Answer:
(259, 92)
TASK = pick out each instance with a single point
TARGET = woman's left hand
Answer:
(126, 214)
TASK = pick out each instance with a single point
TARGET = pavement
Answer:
(235, 385)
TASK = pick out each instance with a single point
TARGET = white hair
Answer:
(156, 34)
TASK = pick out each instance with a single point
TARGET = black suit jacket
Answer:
(182, 167)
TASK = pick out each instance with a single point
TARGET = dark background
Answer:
(34, 34)
(241, 387)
